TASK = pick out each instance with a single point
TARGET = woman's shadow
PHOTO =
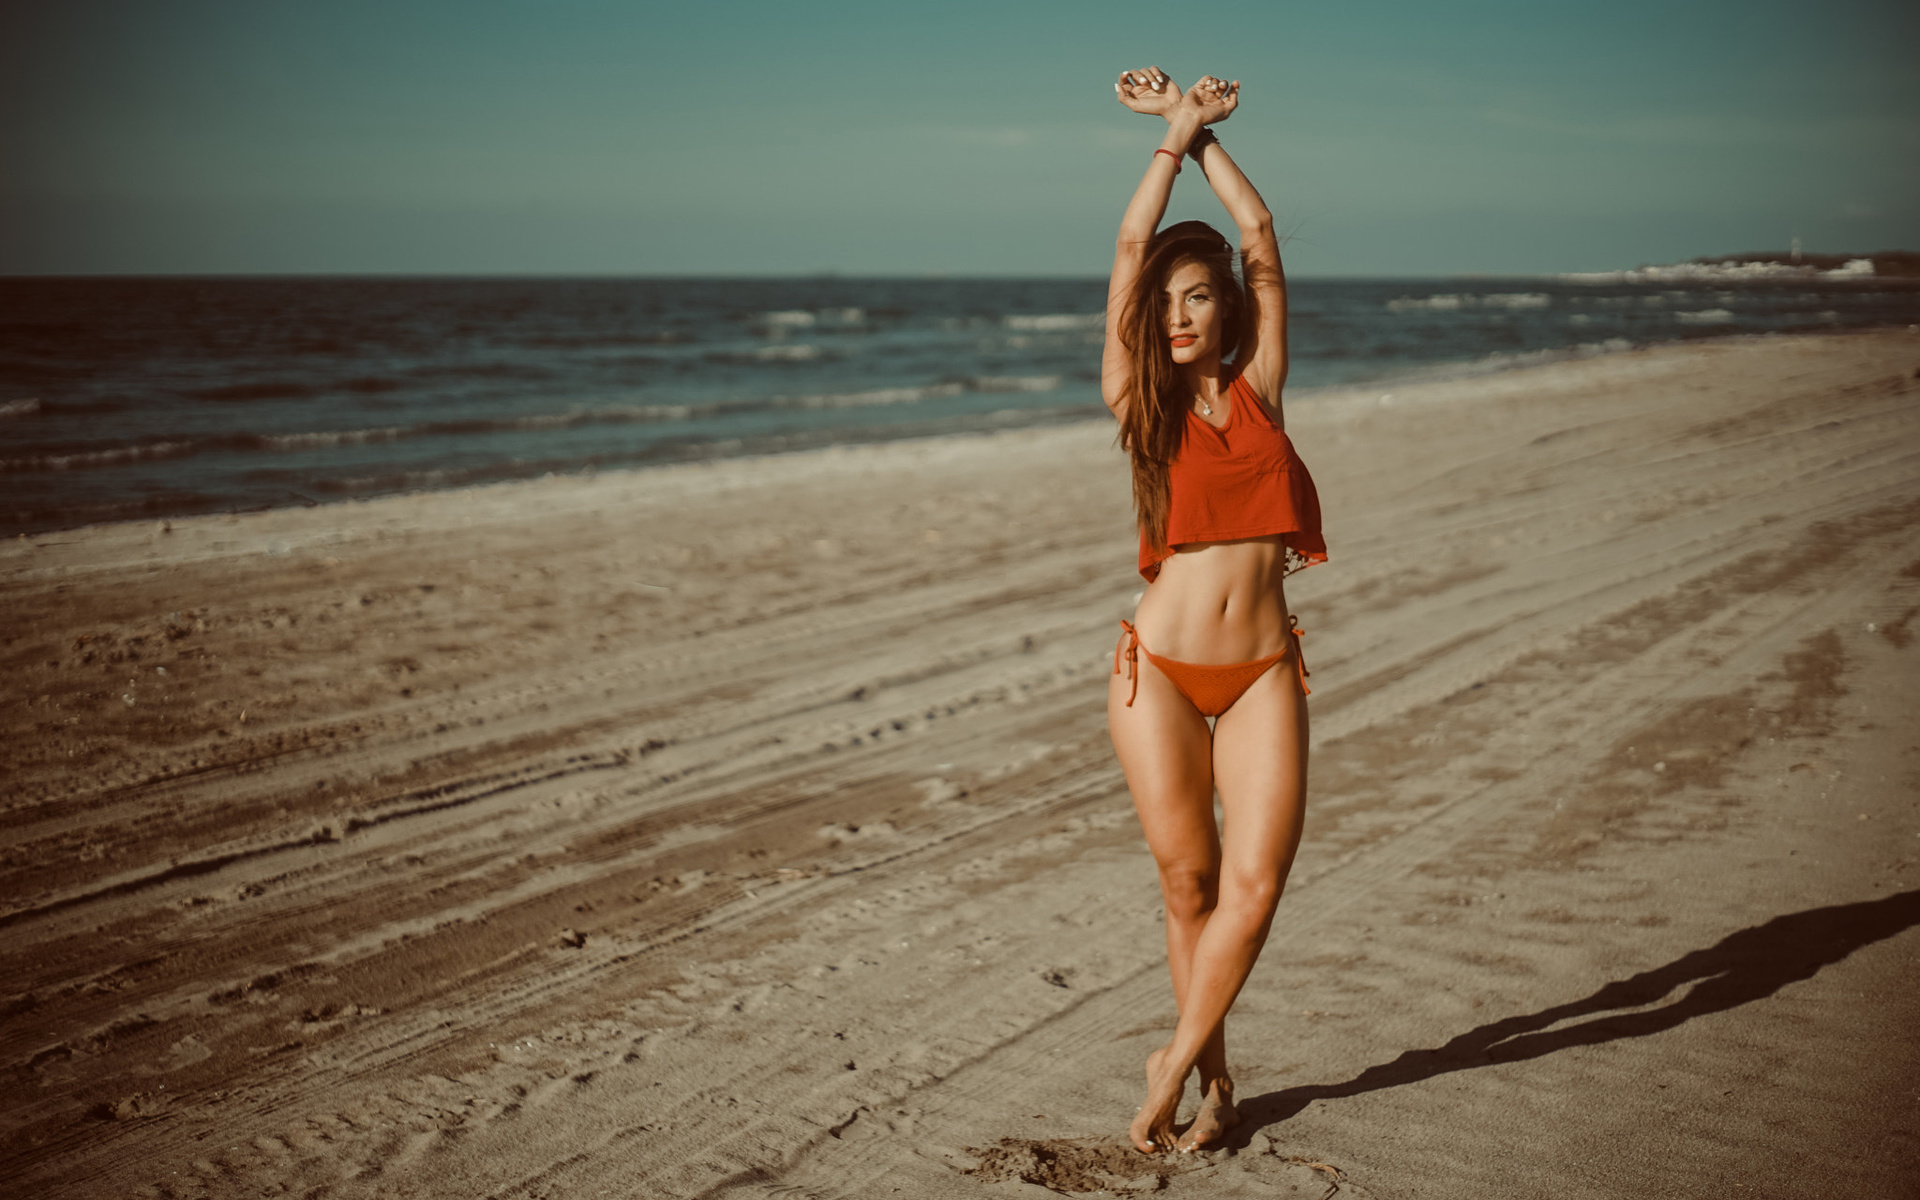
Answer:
(1748, 965)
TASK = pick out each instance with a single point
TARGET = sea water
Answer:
(124, 398)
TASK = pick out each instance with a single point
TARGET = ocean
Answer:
(127, 398)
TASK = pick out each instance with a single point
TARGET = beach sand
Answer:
(750, 829)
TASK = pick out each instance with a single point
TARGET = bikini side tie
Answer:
(1300, 660)
(1132, 653)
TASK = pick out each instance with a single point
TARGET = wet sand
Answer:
(750, 829)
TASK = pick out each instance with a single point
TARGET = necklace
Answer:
(1206, 410)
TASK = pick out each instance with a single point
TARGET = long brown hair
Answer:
(1156, 399)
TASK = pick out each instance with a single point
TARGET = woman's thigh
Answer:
(1260, 768)
(1166, 751)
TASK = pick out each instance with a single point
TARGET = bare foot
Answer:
(1217, 1115)
(1152, 1128)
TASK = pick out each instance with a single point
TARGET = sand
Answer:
(750, 829)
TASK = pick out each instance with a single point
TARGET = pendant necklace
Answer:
(1206, 410)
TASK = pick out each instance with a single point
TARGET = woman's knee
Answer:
(1250, 894)
(1191, 891)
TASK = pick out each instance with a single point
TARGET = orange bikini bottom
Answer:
(1210, 687)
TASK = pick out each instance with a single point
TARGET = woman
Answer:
(1226, 511)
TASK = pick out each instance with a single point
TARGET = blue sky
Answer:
(906, 139)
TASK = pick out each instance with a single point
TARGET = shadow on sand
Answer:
(1744, 966)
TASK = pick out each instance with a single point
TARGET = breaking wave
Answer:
(82, 456)
(1455, 301)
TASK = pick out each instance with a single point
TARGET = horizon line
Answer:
(801, 276)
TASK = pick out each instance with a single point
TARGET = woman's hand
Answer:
(1148, 91)
(1211, 99)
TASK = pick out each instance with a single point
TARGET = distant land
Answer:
(1767, 264)
(1904, 263)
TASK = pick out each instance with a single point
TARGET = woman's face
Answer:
(1194, 312)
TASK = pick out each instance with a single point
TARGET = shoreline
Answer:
(771, 444)
(745, 823)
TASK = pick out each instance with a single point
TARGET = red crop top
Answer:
(1239, 481)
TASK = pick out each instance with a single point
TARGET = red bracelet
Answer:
(1173, 156)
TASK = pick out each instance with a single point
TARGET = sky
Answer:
(906, 139)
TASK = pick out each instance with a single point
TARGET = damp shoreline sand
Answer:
(733, 827)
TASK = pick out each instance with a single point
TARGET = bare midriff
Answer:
(1217, 602)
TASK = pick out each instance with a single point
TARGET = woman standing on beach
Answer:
(1226, 511)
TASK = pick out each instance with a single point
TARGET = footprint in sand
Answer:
(555, 1089)
(420, 1144)
(186, 1052)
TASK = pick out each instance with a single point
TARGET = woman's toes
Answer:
(1147, 1138)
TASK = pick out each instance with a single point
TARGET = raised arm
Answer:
(1148, 91)
(1263, 344)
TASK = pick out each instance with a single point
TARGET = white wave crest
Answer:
(1055, 322)
(19, 408)
(790, 319)
(1016, 383)
(1517, 300)
(800, 318)
(98, 458)
(343, 437)
(1706, 316)
(1455, 301)
(799, 353)
(1505, 360)
(899, 395)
